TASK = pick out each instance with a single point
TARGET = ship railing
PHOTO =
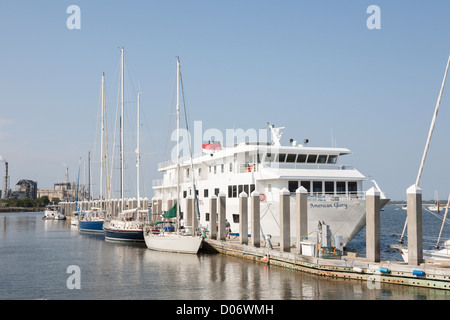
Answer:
(248, 167)
(157, 183)
(165, 164)
(324, 166)
(183, 161)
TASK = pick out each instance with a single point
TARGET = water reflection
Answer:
(35, 254)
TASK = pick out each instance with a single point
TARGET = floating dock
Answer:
(428, 274)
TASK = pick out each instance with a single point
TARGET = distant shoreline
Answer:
(21, 209)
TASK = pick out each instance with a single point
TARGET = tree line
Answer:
(26, 202)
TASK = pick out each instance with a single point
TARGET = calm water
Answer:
(35, 255)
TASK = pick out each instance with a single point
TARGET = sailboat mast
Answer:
(137, 149)
(430, 132)
(121, 132)
(178, 137)
(102, 136)
(433, 121)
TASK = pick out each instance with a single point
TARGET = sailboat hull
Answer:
(172, 242)
(91, 226)
(124, 235)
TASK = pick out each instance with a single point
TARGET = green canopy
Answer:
(171, 213)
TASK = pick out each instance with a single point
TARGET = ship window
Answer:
(216, 191)
(301, 158)
(231, 167)
(281, 157)
(205, 193)
(329, 187)
(292, 186)
(215, 169)
(235, 218)
(317, 186)
(352, 187)
(241, 188)
(230, 191)
(340, 187)
(332, 159)
(322, 158)
(234, 191)
(221, 168)
(291, 157)
(184, 194)
(207, 216)
(306, 185)
(252, 188)
(246, 189)
(312, 158)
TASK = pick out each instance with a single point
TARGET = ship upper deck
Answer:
(288, 156)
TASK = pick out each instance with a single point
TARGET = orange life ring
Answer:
(262, 197)
(249, 168)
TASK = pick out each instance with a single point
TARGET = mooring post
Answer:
(373, 225)
(285, 226)
(159, 206)
(189, 214)
(301, 195)
(414, 220)
(222, 216)
(194, 215)
(243, 218)
(255, 207)
(213, 217)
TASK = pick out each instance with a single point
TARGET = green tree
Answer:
(43, 201)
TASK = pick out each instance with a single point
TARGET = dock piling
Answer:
(213, 217)
(414, 220)
(189, 212)
(222, 215)
(243, 218)
(373, 225)
(255, 226)
(302, 216)
(285, 227)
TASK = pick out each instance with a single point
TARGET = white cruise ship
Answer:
(335, 191)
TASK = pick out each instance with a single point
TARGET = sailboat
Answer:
(126, 224)
(92, 220)
(168, 235)
(440, 252)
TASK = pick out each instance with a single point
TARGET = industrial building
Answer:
(25, 188)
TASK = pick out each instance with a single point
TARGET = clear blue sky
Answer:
(311, 66)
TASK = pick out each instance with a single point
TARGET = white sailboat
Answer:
(439, 254)
(126, 224)
(168, 235)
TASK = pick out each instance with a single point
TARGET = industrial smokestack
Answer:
(5, 186)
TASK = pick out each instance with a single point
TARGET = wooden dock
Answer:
(428, 275)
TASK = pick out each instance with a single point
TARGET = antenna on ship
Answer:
(276, 134)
